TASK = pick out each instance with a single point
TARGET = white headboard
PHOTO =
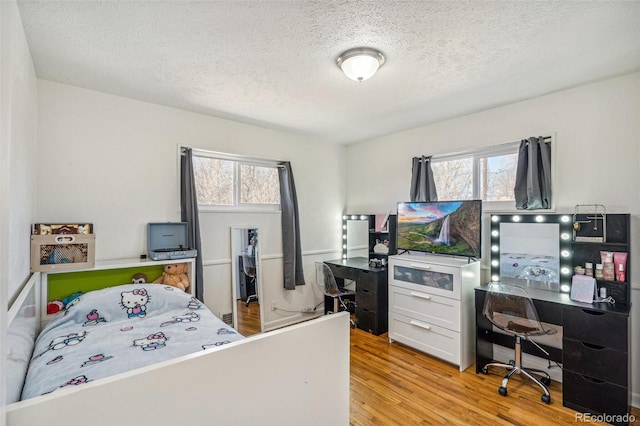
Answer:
(24, 323)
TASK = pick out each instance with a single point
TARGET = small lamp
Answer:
(361, 63)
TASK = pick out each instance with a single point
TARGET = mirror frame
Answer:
(564, 242)
(345, 218)
(234, 268)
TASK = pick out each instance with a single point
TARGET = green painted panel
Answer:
(66, 283)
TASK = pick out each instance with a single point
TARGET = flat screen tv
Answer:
(442, 227)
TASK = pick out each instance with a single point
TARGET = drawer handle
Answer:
(589, 379)
(592, 312)
(421, 295)
(592, 346)
(423, 267)
(421, 325)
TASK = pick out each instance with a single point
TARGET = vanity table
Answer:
(371, 291)
(539, 253)
(595, 349)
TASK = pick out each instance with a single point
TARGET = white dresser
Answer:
(431, 305)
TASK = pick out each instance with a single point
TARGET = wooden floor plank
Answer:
(392, 384)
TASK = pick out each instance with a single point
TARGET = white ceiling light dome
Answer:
(361, 63)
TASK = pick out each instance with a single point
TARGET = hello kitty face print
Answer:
(152, 342)
(135, 302)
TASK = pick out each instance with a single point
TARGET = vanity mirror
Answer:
(355, 235)
(533, 250)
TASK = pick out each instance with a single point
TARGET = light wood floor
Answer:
(248, 318)
(392, 384)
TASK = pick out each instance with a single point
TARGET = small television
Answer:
(441, 227)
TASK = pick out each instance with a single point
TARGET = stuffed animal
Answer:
(175, 274)
(139, 278)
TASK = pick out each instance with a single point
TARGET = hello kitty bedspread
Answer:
(117, 329)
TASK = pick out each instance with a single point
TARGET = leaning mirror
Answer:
(532, 250)
(355, 235)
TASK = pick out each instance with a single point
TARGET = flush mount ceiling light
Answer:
(361, 63)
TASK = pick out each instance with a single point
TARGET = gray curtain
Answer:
(291, 250)
(533, 175)
(423, 187)
(189, 214)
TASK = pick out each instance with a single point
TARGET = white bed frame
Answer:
(298, 375)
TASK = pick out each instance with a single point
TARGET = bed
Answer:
(150, 354)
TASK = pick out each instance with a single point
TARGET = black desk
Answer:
(372, 293)
(595, 357)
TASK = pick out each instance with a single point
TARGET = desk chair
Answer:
(510, 308)
(249, 268)
(326, 280)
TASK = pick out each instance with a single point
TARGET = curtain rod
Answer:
(488, 149)
(235, 157)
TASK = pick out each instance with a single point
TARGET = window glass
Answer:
(488, 174)
(214, 181)
(498, 177)
(259, 185)
(454, 179)
(229, 183)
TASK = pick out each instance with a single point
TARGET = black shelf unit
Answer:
(389, 235)
(618, 239)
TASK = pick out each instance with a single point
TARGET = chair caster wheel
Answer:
(546, 398)
(546, 381)
(484, 370)
(502, 391)
(512, 363)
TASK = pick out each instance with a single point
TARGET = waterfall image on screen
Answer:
(445, 227)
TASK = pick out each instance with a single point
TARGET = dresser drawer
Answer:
(425, 307)
(432, 339)
(595, 361)
(583, 393)
(597, 327)
(427, 277)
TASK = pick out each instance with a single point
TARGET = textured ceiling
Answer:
(272, 62)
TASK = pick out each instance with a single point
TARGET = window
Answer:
(236, 183)
(488, 174)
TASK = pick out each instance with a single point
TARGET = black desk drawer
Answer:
(372, 321)
(345, 272)
(595, 361)
(597, 327)
(366, 299)
(372, 281)
(583, 393)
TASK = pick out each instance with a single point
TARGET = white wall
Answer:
(17, 156)
(597, 128)
(114, 162)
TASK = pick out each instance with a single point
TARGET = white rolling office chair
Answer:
(510, 308)
(249, 268)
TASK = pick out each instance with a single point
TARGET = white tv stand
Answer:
(431, 305)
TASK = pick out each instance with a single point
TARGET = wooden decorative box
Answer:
(62, 252)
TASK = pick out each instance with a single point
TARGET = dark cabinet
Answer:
(371, 295)
(372, 301)
(386, 237)
(596, 363)
(616, 235)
